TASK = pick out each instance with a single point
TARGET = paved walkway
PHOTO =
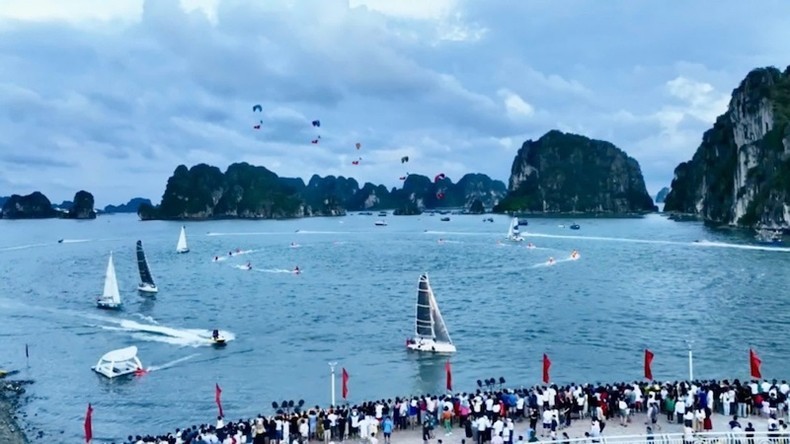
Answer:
(577, 429)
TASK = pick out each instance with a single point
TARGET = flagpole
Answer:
(691, 361)
(332, 369)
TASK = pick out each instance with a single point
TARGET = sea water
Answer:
(639, 283)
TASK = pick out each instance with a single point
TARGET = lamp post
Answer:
(691, 361)
(332, 369)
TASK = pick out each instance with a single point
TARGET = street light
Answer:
(332, 369)
(691, 360)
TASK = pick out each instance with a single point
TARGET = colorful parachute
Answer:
(403, 178)
(440, 195)
(404, 159)
(257, 108)
(257, 127)
(314, 141)
(359, 145)
(356, 162)
(438, 177)
(316, 123)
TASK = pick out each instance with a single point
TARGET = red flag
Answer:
(546, 366)
(648, 362)
(345, 384)
(217, 398)
(89, 424)
(754, 364)
(449, 371)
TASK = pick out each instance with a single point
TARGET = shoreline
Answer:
(11, 397)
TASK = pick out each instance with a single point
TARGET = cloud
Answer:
(112, 96)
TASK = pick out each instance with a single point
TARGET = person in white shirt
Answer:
(497, 439)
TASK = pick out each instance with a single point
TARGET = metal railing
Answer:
(761, 437)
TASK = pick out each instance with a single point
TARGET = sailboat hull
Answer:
(147, 288)
(186, 250)
(430, 346)
(108, 305)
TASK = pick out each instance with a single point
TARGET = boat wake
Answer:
(242, 267)
(169, 335)
(701, 243)
(74, 241)
(445, 241)
(154, 368)
(274, 270)
(24, 247)
(246, 233)
(556, 261)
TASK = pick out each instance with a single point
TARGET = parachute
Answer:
(359, 145)
(404, 159)
(316, 123)
(438, 177)
(403, 178)
(356, 162)
(440, 195)
(257, 108)
(314, 141)
(257, 127)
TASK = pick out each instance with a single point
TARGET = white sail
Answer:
(181, 247)
(439, 327)
(111, 293)
(512, 231)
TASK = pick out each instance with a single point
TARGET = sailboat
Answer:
(431, 333)
(512, 231)
(146, 284)
(111, 298)
(181, 247)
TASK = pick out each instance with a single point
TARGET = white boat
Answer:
(182, 247)
(111, 297)
(380, 223)
(146, 284)
(512, 232)
(119, 362)
(430, 333)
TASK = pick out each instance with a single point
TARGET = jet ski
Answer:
(217, 340)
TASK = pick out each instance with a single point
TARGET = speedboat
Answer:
(60, 241)
(575, 227)
(574, 255)
(119, 362)
(380, 223)
(550, 261)
(445, 219)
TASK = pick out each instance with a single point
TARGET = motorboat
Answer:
(380, 223)
(445, 219)
(119, 362)
(575, 227)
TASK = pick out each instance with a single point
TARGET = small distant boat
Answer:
(430, 333)
(574, 227)
(218, 340)
(512, 232)
(119, 362)
(445, 219)
(382, 214)
(60, 241)
(488, 219)
(181, 246)
(146, 284)
(111, 297)
(380, 223)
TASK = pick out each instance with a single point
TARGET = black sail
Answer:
(142, 265)
(424, 320)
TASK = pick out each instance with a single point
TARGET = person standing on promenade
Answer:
(386, 427)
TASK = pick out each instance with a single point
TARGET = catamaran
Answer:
(431, 333)
(119, 362)
(512, 231)
(181, 247)
(146, 284)
(111, 298)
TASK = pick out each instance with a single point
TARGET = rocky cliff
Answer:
(740, 173)
(33, 206)
(82, 207)
(245, 191)
(567, 173)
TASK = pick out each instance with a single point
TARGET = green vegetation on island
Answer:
(37, 206)
(254, 192)
(740, 173)
(563, 173)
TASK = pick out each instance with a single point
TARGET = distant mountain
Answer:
(563, 173)
(662, 195)
(253, 192)
(130, 207)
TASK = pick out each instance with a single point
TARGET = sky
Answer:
(111, 96)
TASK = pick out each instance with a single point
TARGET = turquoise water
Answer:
(639, 283)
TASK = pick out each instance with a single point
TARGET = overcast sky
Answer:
(110, 96)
